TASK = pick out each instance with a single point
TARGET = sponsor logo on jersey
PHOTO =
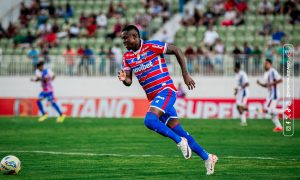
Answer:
(143, 67)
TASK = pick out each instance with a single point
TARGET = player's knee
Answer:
(150, 120)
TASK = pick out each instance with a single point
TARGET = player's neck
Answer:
(138, 47)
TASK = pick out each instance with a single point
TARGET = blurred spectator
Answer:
(257, 54)
(41, 18)
(187, 18)
(118, 54)
(44, 28)
(111, 10)
(102, 63)
(55, 28)
(294, 15)
(44, 4)
(66, 26)
(180, 92)
(33, 54)
(209, 17)
(269, 52)
(283, 57)
(51, 10)
(297, 60)
(112, 61)
(218, 7)
(11, 30)
(241, 6)
(277, 36)
(288, 5)
(80, 57)
(82, 20)
(45, 55)
(165, 12)
(198, 18)
(229, 5)
(50, 39)
(155, 8)
(59, 12)
(87, 59)
(116, 30)
(26, 41)
(91, 29)
(219, 50)
(277, 7)
(69, 55)
(35, 7)
(24, 15)
(101, 20)
(265, 7)
(121, 8)
(210, 36)
(247, 51)
(267, 28)
(68, 11)
(190, 55)
(74, 31)
(229, 18)
(236, 52)
(239, 20)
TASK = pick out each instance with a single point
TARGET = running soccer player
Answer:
(146, 60)
(271, 80)
(46, 76)
(241, 92)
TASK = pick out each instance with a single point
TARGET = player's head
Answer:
(237, 67)
(268, 64)
(40, 65)
(131, 37)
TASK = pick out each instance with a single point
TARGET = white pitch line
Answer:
(132, 155)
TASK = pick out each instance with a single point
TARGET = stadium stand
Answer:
(51, 26)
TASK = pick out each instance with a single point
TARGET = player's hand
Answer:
(235, 91)
(189, 81)
(122, 75)
(32, 79)
(257, 81)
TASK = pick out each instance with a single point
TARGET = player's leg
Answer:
(209, 159)
(41, 107)
(274, 115)
(241, 107)
(51, 99)
(163, 100)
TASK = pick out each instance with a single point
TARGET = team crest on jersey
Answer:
(140, 57)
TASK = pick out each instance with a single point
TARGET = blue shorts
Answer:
(47, 95)
(164, 101)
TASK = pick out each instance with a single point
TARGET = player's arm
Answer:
(125, 76)
(275, 82)
(35, 79)
(245, 85)
(173, 50)
(262, 84)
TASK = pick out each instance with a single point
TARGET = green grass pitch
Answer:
(94, 148)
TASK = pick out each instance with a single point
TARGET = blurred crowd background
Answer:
(82, 37)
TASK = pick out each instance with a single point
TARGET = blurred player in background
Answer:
(46, 77)
(146, 60)
(241, 92)
(271, 79)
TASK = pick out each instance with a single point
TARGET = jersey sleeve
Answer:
(245, 78)
(38, 73)
(276, 75)
(125, 65)
(158, 47)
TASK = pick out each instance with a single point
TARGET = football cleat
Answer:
(277, 129)
(43, 118)
(210, 164)
(61, 118)
(244, 124)
(185, 148)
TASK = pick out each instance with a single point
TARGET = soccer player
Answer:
(241, 92)
(46, 76)
(146, 60)
(271, 80)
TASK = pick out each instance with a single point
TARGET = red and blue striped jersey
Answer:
(149, 66)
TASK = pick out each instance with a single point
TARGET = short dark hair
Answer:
(131, 27)
(269, 61)
(40, 63)
(237, 65)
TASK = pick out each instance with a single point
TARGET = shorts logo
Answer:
(159, 97)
